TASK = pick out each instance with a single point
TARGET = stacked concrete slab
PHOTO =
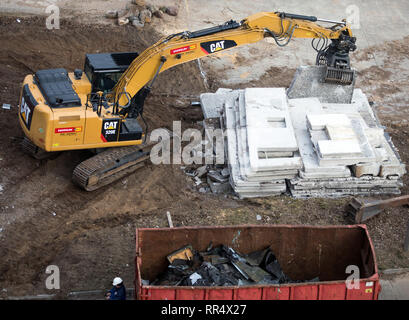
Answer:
(345, 150)
(260, 141)
(323, 146)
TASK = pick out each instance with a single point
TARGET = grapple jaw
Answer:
(337, 61)
(339, 76)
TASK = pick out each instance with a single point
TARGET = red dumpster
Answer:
(304, 252)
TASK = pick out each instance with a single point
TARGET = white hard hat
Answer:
(117, 281)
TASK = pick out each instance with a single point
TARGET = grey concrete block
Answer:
(339, 148)
(308, 83)
(298, 111)
(219, 187)
(212, 104)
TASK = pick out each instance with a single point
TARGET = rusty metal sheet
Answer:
(364, 209)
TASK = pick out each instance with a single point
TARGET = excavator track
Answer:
(110, 165)
(113, 164)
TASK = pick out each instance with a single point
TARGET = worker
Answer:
(118, 291)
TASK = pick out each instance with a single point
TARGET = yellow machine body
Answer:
(61, 129)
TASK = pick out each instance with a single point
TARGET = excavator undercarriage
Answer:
(110, 165)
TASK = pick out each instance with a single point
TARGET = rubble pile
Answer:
(222, 266)
(330, 145)
(210, 178)
(138, 13)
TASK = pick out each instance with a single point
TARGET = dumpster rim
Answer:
(138, 257)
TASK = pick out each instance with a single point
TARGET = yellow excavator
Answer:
(98, 108)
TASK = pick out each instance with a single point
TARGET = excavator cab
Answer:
(103, 70)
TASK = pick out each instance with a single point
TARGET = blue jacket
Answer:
(118, 293)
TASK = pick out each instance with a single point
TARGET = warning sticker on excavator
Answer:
(68, 130)
(183, 49)
(215, 46)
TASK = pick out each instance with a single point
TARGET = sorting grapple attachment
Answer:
(339, 76)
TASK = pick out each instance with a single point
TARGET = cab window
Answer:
(106, 81)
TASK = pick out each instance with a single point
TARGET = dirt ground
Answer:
(45, 220)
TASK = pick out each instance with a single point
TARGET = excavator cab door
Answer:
(105, 81)
(105, 69)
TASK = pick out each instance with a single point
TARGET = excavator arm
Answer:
(332, 44)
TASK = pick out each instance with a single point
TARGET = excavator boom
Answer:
(332, 45)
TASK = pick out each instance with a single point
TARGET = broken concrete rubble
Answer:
(145, 16)
(216, 176)
(172, 11)
(158, 14)
(321, 146)
(218, 187)
(210, 178)
(136, 13)
(123, 21)
(201, 171)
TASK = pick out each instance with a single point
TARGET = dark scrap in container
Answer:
(222, 266)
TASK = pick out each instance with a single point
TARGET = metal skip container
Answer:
(332, 253)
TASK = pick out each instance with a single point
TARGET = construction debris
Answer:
(308, 147)
(210, 178)
(111, 14)
(123, 21)
(158, 14)
(138, 24)
(172, 11)
(169, 219)
(136, 13)
(222, 266)
(145, 16)
(364, 209)
(218, 187)
(185, 253)
(201, 171)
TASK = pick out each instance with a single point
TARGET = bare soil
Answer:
(46, 220)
